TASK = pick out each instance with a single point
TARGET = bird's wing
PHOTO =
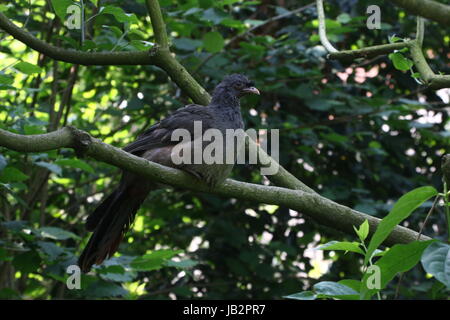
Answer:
(159, 135)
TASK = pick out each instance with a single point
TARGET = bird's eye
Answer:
(239, 85)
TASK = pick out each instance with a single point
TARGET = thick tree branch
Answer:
(77, 56)
(315, 206)
(429, 9)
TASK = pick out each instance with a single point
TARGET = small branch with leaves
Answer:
(394, 49)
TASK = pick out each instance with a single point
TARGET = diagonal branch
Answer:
(77, 56)
(315, 206)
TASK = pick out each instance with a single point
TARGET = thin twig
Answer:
(322, 28)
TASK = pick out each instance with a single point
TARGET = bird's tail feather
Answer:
(109, 222)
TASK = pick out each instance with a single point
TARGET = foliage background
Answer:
(360, 134)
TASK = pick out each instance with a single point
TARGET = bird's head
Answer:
(235, 85)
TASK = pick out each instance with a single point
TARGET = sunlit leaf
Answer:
(213, 42)
(60, 7)
(75, 163)
(154, 260)
(400, 258)
(342, 245)
(27, 68)
(401, 210)
(12, 174)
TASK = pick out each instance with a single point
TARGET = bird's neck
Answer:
(224, 98)
(228, 106)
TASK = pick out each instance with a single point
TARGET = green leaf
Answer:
(183, 264)
(50, 166)
(4, 256)
(117, 31)
(33, 129)
(72, 42)
(186, 44)
(138, 33)
(117, 273)
(320, 104)
(27, 262)
(335, 137)
(363, 230)
(103, 289)
(3, 8)
(305, 295)
(330, 288)
(213, 42)
(6, 80)
(344, 18)
(400, 61)
(375, 145)
(401, 210)
(436, 261)
(56, 233)
(119, 14)
(60, 7)
(88, 45)
(400, 258)
(345, 246)
(204, 4)
(141, 44)
(334, 290)
(231, 23)
(12, 174)
(154, 260)
(254, 50)
(393, 39)
(352, 284)
(52, 251)
(27, 68)
(214, 15)
(75, 163)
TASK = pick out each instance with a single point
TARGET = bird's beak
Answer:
(251, 90)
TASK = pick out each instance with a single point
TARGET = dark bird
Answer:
(113, 217)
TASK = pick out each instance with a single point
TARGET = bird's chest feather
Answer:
(230, 119)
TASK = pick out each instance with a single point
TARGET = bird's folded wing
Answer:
(159, 135)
